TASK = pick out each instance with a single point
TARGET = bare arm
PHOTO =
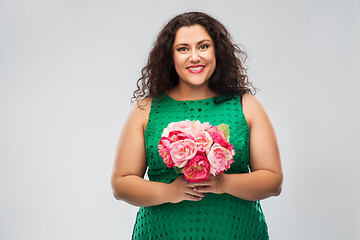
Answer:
(130, 165)
(265, 178)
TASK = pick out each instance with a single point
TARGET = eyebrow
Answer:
(185, 44)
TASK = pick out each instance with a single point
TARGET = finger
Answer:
(192, 188)
(195, 193)
(192, 198)
(205, 189)
(200, 184)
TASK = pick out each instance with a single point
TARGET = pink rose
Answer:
(197, 169)
(219, 137)
(203, 141)
(181, 125)
(201, 126)
(220, 159)
(186, 126)
(182, 151)
(164, 151)
(179, 135)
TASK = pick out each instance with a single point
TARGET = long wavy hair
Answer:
(159, 75)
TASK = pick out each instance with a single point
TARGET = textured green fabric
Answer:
(216, 216)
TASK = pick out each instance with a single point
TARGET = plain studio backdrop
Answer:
(68, 70)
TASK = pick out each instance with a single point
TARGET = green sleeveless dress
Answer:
(216, 216)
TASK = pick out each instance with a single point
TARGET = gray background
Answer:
(68, 70)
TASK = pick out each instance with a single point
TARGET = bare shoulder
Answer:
(143, 105)
(252, 108)
(140, 112)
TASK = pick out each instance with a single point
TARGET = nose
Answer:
(194, 56)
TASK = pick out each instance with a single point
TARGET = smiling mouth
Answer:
(196, 69)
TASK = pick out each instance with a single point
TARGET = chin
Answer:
(197, 84)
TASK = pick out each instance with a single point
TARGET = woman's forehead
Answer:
(191, 34)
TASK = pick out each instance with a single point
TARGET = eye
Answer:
(182, 49)
(203, 47)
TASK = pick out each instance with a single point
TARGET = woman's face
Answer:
(194, 55)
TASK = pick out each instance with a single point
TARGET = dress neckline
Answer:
(196, 100)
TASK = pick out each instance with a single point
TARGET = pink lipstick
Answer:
(196, 68)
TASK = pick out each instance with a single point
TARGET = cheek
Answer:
(213, 60)
(178, 60)
(211, 57)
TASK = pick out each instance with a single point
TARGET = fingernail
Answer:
(194, 189)
(200, 198)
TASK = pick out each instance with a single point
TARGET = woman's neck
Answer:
(183, 93)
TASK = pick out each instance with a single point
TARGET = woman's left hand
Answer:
(215, 184)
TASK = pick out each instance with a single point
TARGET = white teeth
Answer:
(196, 68)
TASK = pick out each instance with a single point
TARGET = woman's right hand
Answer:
(179, 190)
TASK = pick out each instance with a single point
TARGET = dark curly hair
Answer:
(159, 74)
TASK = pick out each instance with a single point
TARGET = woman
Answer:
(195, 72)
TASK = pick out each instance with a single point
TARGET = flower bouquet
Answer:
(196, 149)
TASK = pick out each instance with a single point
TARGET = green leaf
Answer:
(225, 129)
(177, 170)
